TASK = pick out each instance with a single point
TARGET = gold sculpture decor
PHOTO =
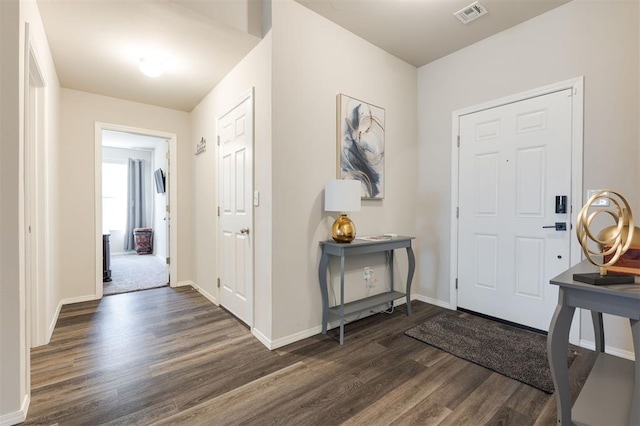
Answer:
(612, 241)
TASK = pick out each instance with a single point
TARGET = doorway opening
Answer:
(132, 208)
(36, 206)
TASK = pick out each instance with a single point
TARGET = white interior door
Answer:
(235, 179)
(514, 160)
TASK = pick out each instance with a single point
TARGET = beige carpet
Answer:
(133, 272)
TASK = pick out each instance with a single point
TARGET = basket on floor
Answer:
(144, 240)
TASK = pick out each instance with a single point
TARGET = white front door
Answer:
(513, 162)
(235, 180)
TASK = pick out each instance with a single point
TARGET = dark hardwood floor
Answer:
(168, 356)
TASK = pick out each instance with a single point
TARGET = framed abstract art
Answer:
(361, 153)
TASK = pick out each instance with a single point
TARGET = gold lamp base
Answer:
(343, 229)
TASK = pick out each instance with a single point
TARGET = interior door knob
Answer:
(244, 231)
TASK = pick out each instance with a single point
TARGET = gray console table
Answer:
(359, 247)
(611, 394)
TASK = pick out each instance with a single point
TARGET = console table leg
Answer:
(634, 415)
(391, 275)
(557, 346)
(412, 268)
(342, 299)
(598, 330)
(322, 278)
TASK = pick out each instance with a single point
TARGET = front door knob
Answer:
(244, 231)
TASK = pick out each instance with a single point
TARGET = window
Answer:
(114, 196)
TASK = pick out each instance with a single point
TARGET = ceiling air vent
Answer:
(471, 12)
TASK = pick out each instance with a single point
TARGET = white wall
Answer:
(595, 39)
(314, 60)
(12, 385)
(79, 112)
(253, 71)
(14, 330)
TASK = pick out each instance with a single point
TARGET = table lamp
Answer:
(342, 196)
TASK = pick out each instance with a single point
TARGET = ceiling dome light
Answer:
(150, 67)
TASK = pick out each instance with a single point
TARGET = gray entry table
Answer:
(359, 247)
(611, 394)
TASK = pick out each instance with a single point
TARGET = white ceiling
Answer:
(96, 44)
(421, 31)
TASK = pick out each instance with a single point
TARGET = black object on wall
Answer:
(159, 175)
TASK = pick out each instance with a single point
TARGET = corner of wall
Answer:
(16, 417)
(306, 80)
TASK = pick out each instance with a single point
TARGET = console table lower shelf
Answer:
(609, 385)
(365, 304)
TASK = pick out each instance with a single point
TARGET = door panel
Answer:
(529, 264)
(235, 260)
(514, 159)
(486, 194)
(486, 274)
(530, 182)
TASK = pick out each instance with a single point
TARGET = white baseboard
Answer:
(287, 340)
(301, 335)
(210, 297)
(431, 301)
(78, 299)
(184, 284)
(588, 344)
(53, 323)
(16, 417)
(262, 339)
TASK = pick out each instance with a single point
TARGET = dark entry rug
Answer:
(510, 351)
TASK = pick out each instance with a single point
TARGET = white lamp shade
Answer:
(342, 195)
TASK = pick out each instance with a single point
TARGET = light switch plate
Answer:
(256, 198)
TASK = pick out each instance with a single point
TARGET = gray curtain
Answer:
(135, 202)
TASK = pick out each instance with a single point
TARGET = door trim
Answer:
(172, 188)
(577, 85)
(36, 210)
(247, 95)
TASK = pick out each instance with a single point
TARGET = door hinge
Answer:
(456, 283)
(457, 212)
(218, 282)
(168, 261)
(218, 211)
(218, 140)
(458, 141)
